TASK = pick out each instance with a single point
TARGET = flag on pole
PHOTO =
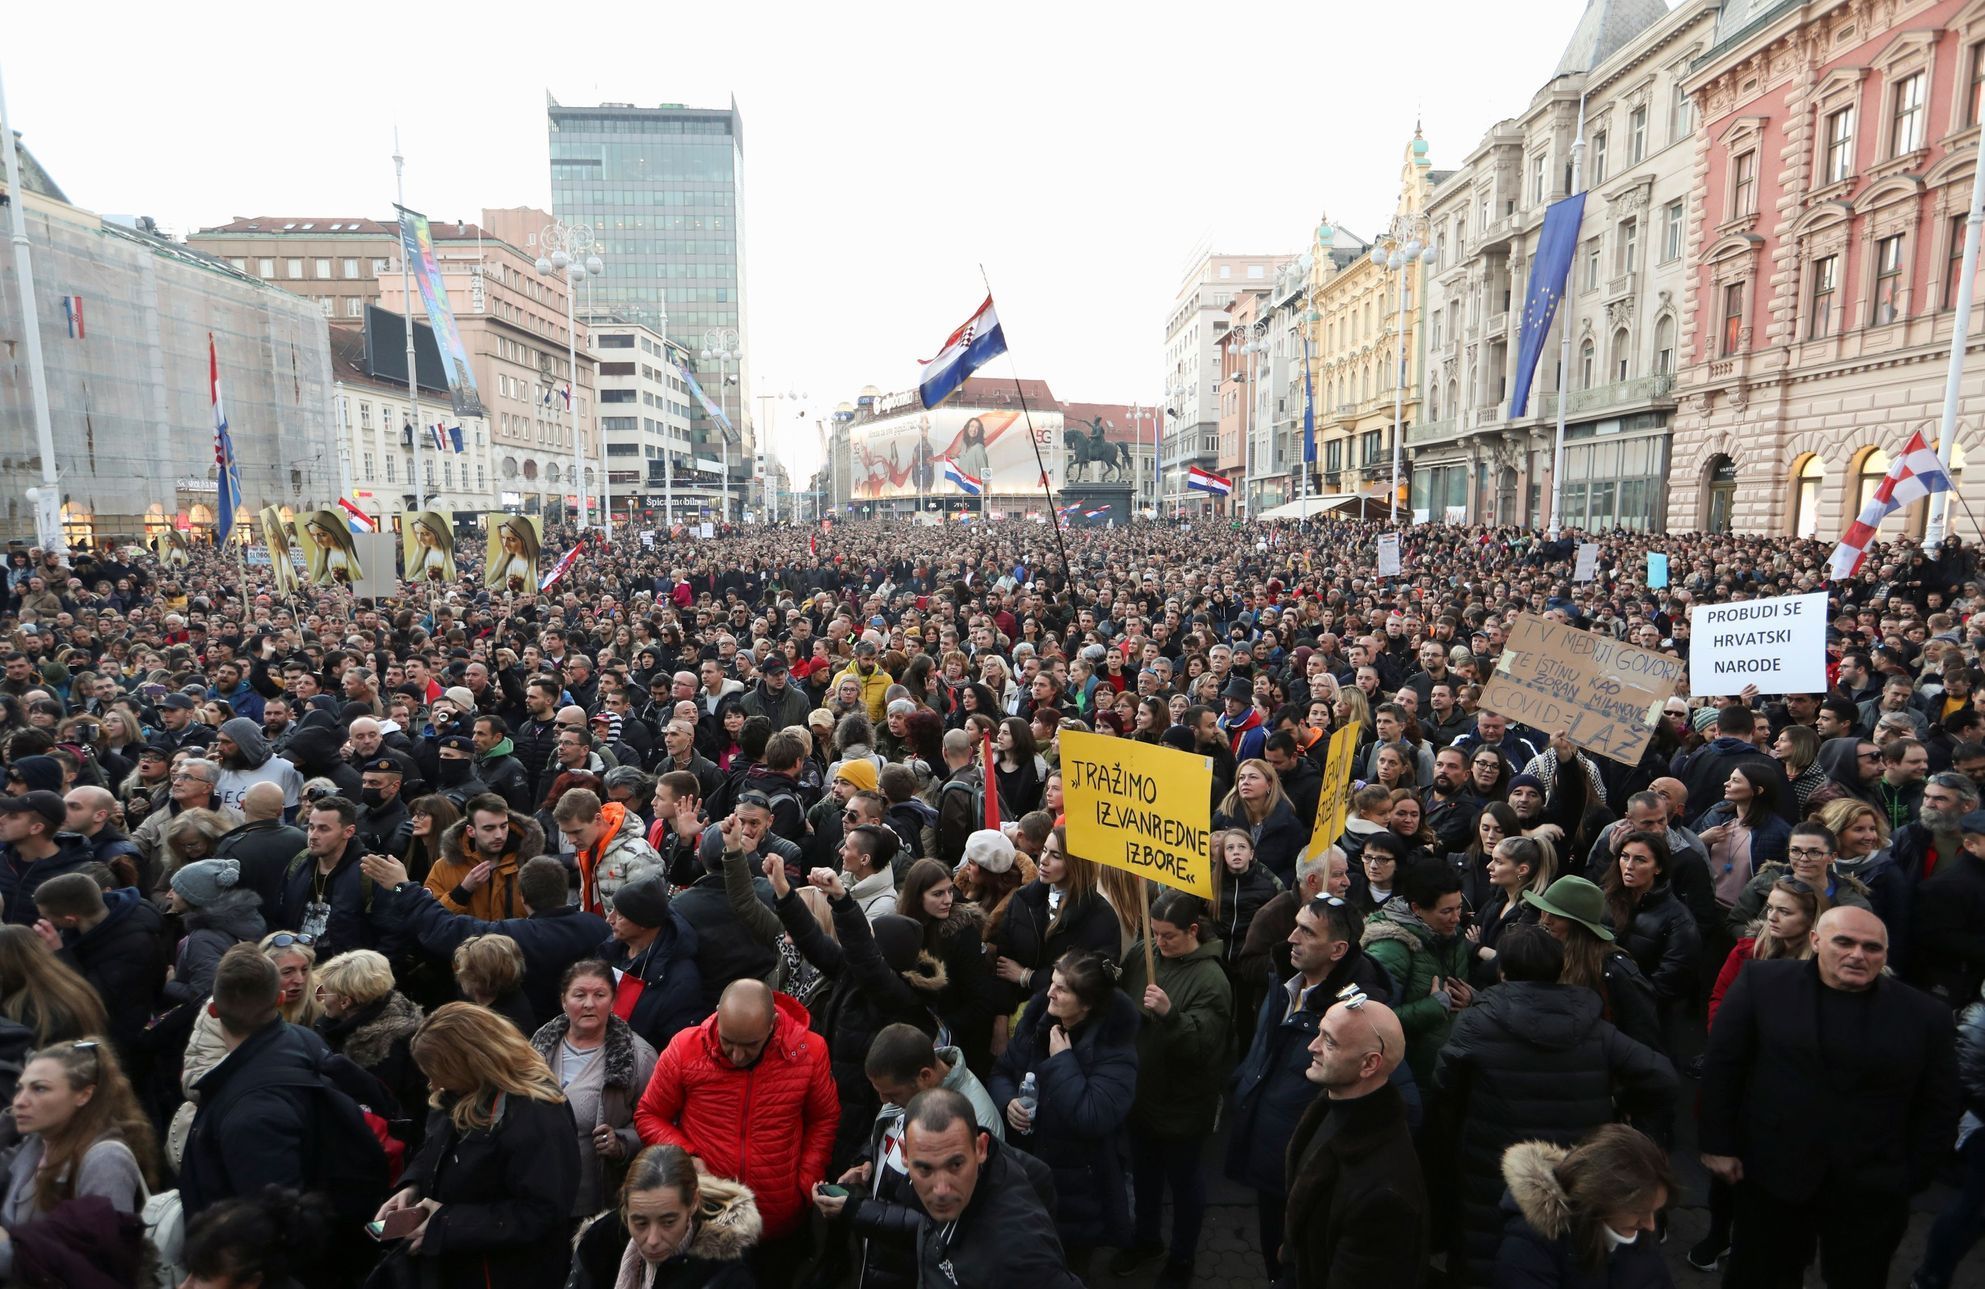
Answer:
(546, 400)
(558, 570)
(1549, 268)
(566, 394)
(977, 342)
(227, 473)
(990, 781)
(1096, 513)
(1915, 475)
(439, 435)
(72, 308)
(455, 437)
(360, 521)
(1199, 480)
(967, 484)
(1309, 408)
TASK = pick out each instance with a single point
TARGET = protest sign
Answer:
(1388, 555)
(1604, 694)
(1140, 807)
(1779, 645)
(1657, 571)
(1333, 802)
(1588, 562)
(706, 529)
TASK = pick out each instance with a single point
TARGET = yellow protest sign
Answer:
(1333, 802)
(1139, 807)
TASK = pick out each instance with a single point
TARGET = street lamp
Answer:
(571, 254)
(1251, 353)
(1396, 251)
(723, 345)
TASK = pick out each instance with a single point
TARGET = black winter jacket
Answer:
(1241, 897)
(1025, 937)
(504, 1195)
(1527, 1062)
(123, 958)
(1278, 839)
(1665, 944)
(256, 1120)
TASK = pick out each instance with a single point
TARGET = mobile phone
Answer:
(397, 1225)
(831, 1191)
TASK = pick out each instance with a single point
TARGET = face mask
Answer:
(374, 797)
(453, 773)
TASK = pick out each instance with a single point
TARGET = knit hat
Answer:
(990, 849)
(860, 772)
(1702, 718)
(1527, 781)
(899, 938)
(643, 901)
(459, 695)
(204, 881)
(43, 773)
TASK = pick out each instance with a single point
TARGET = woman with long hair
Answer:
(1743, 831)
(1257, 805)
(1574, 910)
(1649, 922)
(1244, 885)
(1017, 768)
(84, 1133)
(1489, 773)
(674, 1227)
(295, 957)
(1495, 822)
(1861, 837)
(44, 993)
(1393, 766)
(1516, 865)
(1077, 1123)
(428, 817)
(1407, 819)
(952, 930)
(1587, 1215)
(602, 1066)
(1060, 910)
(500, 1163)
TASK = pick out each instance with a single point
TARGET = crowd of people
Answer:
(711, 919)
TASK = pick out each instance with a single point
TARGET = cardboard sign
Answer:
(1779, 645)
(1140, 807)
(1388, 555)
(1657, 571)
(1333, 802)
(1588, 562)
(1603, 694)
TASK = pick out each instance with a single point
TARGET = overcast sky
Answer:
(1082, 152)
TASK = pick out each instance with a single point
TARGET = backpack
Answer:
(165, 1229)
(353, 1166)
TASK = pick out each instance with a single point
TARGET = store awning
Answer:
(1343, 504)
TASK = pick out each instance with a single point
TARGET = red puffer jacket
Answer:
(770, 1126)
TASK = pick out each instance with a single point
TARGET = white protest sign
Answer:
(1588, 562)
(706, 529)
(1778, 645)
(1388, 555)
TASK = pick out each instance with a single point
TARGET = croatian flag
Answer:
(1915, 475)
(360, 521)
(966, 483)
(72, 308)
(439, 435)
(226, 472)
(566, 394)
(969, 348)
(1200, 480)
(558, 570)
(1097, 513)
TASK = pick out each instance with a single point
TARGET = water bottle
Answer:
(1030, 1096)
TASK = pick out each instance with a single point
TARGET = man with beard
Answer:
(276, 723)
(535, 740)
(496, 763)
(1449, 806)
(1302, 781)
(1526, 797)
(773, 697)
(246, 760)
(1357, 1208)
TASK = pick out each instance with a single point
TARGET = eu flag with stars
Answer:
(1549, 269)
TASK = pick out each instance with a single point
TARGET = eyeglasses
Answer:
(288, 940)
(1803, 852)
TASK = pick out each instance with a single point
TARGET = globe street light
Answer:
(1395, 252)
(571, 255)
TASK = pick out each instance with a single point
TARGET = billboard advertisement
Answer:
(903, 456)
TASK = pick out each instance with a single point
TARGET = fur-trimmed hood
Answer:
(967, 919)
(728, 1224)
(1530, 1172)
(526, 839)
(371, 1040)
(927, 975)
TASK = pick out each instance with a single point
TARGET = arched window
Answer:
(1585, 364)
(1806, 484)
(1453, 399)
(1622, 354)
(1874, 467)
(1664, 346)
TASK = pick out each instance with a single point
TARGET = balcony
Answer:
(1433, 431)
(1640, 391)
(1496, 325)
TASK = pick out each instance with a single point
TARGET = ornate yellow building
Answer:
(1355, 340)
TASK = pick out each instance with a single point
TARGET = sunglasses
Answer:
(287, 940)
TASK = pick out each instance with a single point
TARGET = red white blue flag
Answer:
(967, 484)
(1915, 475)
(558, 570)
(1206, 481)
(977, 342)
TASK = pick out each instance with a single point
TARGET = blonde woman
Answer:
(1862, 853)
(489, 970)
(1257, 806)
(295, 957)
(500, 1165)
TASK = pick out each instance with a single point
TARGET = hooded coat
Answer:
(671, 985)
(1664, 943)
(313, 750)
(1413, 956)
(263, 766)
(210, 932)
(378, 1038)
(497, 898)
(1086, 1094)
(621, 855)
(727, 1228)
(1536, 1250)
(123, 958)
(1184, 1056)
(1532, 1061)
(504, 1192)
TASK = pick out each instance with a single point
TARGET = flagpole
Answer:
(1933, 534)
(407, 306)
(1061, 548)
(1564, 339)
(44, 427)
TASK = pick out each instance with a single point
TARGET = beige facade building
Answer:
(512, 322)
(1623, 301)
(1825, 244)
(1194, 365)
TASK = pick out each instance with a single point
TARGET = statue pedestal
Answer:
(1097, 504)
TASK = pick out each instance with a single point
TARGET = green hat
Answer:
(1576, 899)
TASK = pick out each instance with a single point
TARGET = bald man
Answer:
(750, 1093)
(1357, 1209)
(93, 813)
(1829, 1097)
(263, 845)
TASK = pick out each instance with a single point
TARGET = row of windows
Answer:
(320, 267)
(1885, 296)
(580, 124)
